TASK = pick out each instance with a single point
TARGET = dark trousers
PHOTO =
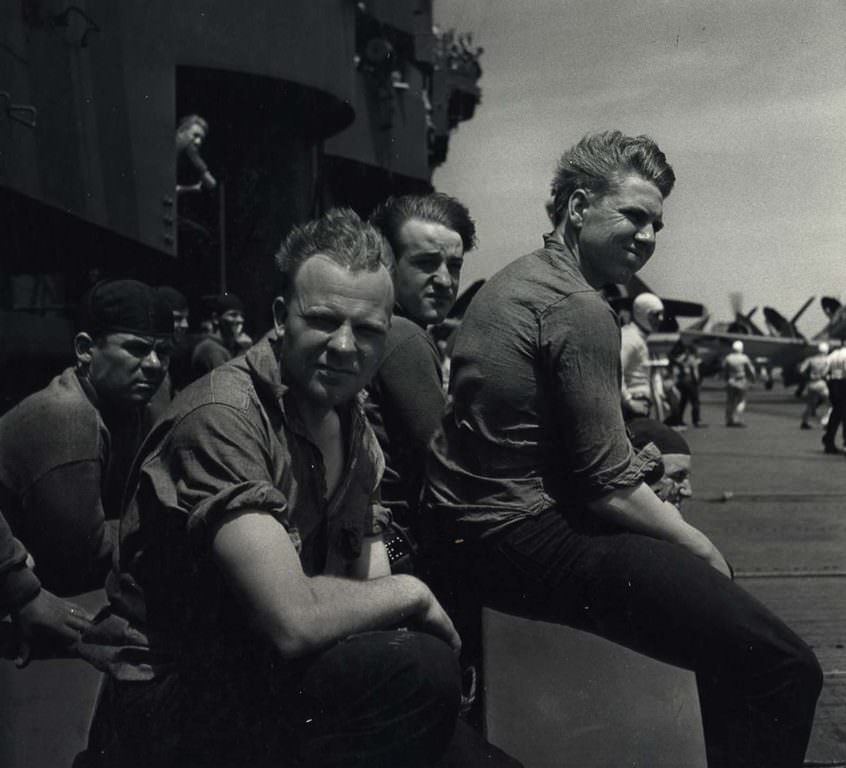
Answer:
(758, 682)
(378, 699)
(837, 418)
(689, 393)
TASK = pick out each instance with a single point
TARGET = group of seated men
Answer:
(253, 617)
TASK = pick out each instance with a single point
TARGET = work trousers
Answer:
(837, 418)
(735, 404)
(758, 681)
(689, 393)
(816, 394)
(378, 699)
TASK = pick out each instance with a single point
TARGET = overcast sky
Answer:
(746, 98)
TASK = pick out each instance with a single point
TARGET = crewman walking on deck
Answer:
(836, 381)
(739, 374)
(813, 372)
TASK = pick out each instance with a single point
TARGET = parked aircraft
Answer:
(784, 348)
(620, 297)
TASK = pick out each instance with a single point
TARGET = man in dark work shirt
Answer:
(251, 558)
(65, 451)
(429, 235)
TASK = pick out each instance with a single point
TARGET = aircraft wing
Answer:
(772, 351)
(620, 298)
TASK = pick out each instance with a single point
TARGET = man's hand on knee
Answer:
(435, 621)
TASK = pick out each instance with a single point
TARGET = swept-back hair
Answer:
(341, 236)
(186, 122)
(600, 159)
(435, 207)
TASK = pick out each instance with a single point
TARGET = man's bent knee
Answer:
(382, 698)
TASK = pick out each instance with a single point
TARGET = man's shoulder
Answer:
(227, 386)
(630, 331)
(542, 278)
(210, 347)
(54, 426)
(529, 284)
(405, 333)
(403, 329)
(61, 405)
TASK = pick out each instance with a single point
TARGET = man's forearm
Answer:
(342, 607)
(639, 510)
(302, 614)
(68, 534)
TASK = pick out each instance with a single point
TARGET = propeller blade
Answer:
(801, 311)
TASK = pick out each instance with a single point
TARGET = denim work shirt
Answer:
(230, 442)
(535, 420)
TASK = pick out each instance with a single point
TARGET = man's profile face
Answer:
(429, 261)
(335, 324)
(127, 369)
(231, 323)
(180, 324)
(654, 319)
(194, 134)
(617, 234)
(674, 486)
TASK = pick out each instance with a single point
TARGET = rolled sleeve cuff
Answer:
(644, 466)
(380, 520)
(252, 496)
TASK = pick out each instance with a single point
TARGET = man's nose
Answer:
(442, 276)
(646, 234)
(152, 360)
(685, 489)
(343, 339)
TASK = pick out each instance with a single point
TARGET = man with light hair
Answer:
(639, 395)
(542, 508)
(738, 373)
(812, 371)
(255, 615)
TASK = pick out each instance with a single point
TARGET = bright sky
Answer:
(747, 100)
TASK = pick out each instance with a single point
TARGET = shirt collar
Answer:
(562, 256)
(87, 388)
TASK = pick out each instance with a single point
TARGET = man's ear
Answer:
(576, 206)
(83, 347)
(280, 314)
